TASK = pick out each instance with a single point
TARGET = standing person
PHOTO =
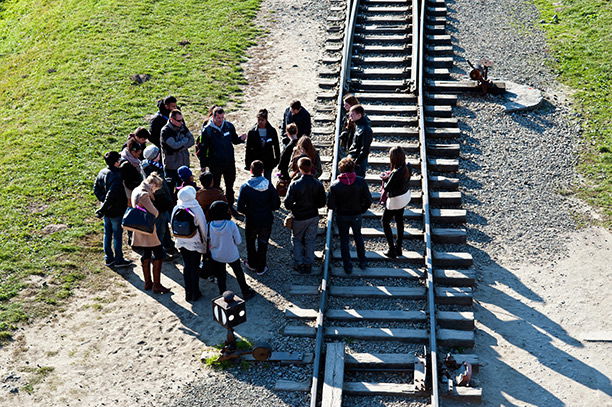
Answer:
(131, 169)
(397, 191)
(257, 200)
(346, 137)
(149, 244)
(215, 150)
(164, 106)
(262, 144)
(349, 198)
(132, 153)
(285, 159)
(304, 148)
(164, 200)
(108, 188)
(191, 247)
(224, 240)
(209, 193)
(175, 142)
(360, 149)
(304, 197)
(297, 114)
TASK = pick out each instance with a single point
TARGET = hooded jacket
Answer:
(349, 195)
(224, 241)
(268, 150)
(175, 143)
(215, 147)
(257, 200)
(187, 200)
(360, 149)
(109, 190)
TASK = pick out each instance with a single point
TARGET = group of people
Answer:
(157, 178)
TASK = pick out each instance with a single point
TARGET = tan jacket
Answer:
(142, 196)
(207, 196)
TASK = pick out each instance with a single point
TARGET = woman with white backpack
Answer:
(190, 230)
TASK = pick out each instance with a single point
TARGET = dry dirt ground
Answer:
(124, 346)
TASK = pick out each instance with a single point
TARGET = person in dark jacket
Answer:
(131, 168)
(285, 159)
(297, 114)
(108, 188)
(304, 198)
(346, 137)
(360, 149)
(262, 144)
(175, 142)
(257, 200)
(209, 193)
(215, 151)
(396, 195)
(165, 106)
(349, 198)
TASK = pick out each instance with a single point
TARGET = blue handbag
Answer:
(137, 219)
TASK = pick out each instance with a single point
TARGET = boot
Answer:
(146, 273)
(157, 287)
(398, 247)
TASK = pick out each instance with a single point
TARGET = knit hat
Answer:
(184, 173)
(151, 152)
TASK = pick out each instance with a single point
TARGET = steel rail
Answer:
(327, 251)
(433, 359)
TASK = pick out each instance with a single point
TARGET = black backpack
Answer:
(183, 223)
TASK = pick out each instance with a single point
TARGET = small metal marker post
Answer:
(229, 310)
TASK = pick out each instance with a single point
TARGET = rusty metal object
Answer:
(480, 73)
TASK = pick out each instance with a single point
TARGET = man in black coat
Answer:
(165, 106)
(215, 150)
(297, 114)
(349, 198)
(262, 144)
(304, 198)
(257, 200)
(108, 188)
(360, 149)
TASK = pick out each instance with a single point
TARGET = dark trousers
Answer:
(191, 261)
(257, 245)
(345, 223)
(398, 215)
(361, 167)
(221, 275)
(172, 178)
(163, 231)
(157, 253)
(229, 176)
(268, 173)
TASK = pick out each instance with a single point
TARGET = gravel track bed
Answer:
(376, 303)
(513, 166)
(357, 401)
(355, 346)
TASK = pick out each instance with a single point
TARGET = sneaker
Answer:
(110, 263)
(245, 263)
(262, 271)
(123, 263)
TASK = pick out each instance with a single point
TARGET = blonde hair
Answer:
(154, 180)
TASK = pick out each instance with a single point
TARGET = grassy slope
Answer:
(65, 68)
(581, 38)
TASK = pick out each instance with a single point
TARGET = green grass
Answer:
(67, 97)
(214, 362)
(581, 39)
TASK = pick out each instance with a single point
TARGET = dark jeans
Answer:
(268, 173)
(221, 275)
(257, 245)
(172, 178)
(113, 239)
(229, 176)
(345, 223)
(191, 261)
(163, 231)
(389, 214)
(361, 167)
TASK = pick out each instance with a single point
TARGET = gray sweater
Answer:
(175, 143)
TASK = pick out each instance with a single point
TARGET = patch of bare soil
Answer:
(124, 346)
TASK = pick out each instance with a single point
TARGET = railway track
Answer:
(383, 331)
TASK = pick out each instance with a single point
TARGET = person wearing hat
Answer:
(164, 200)
(224, 240)
(186, 177)
(262, 144)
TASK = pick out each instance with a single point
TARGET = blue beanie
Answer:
(184, 173)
